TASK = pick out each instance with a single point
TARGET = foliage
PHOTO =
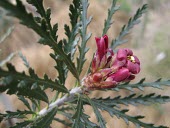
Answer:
(30, 88)
(126, 28)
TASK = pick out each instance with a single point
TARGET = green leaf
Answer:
(74, 12)
(133, 99)
(21, 84)
(27, 19)
(38, 4)
(61, 67)
(125, 117)
(13, 75)
(97, 113)
(45, 17)
(44, 121)
(87, 122)
(78, 114)
(71, 32)
(22, 124)
(108, 21)
(141, 85)
(126, 28)
(84, 122)
(26, 103)
(18, 114)
(26, 63)
(63, 122)
(85, 37)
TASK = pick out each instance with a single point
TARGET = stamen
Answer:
(131, 58)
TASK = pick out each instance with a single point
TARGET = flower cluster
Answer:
(107, 69)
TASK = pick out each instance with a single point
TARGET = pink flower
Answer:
(125, 58)
(102, 46)
(108, 71)
(101, 59)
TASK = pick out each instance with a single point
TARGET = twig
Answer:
(61, 101)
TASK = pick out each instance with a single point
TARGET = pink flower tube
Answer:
(108, 71)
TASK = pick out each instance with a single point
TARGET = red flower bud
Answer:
(108, 71)
(121, 75)
(102, 46)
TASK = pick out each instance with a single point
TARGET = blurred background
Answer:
(150, 41)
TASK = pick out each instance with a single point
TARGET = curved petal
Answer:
(131, 77)
(100, 47)
(136, 60)
(129, 52)
(133, 67)
(121, 75)
(93, 65)
(119, 64)
(108, 84)
(110, 51)
(97, 77)
(121, 54)
(106, 41)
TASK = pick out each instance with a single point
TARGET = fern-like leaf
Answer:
(22, 124)
(27, 19)
(122, 114)
(85, 37)
(134, 100)
(77, 115)
(45, 14)
(72, 31)
(99, 117)
(108, 21)
(18, 114)
(26, 63)
(126, 28)
(63, 122)
(22, 84)
(141, 85)
(26, 103)
(44, 121)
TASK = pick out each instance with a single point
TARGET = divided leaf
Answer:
(126, 28)
(99, 117)
(121, 114)
(133, 99)
(84, 37)
(108, 21)
(44, 121)
(26, 103)
(141, 85)
(77, 115)
(18, 114)
(71, 32)
(63, 122)
(27, 19)
(22, 124)
(30, 86)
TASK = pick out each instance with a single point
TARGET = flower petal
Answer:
(129, 52)
(131, 77)
(133, 67)
(102, 46)
(119, 64)
(121, 75)
(106, 41)
(121, 54)
(97, 77)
